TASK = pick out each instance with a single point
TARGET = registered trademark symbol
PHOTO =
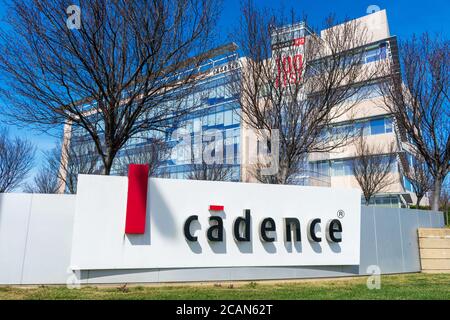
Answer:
(340, 214)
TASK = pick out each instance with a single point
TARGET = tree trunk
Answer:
(107, 170)
(436, 194)
(282, 175)
(419, 198)
(107, 164)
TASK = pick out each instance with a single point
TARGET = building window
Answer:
(392, 201)
(368, 127)
(338, 168)
(342, 168)
(388, 124)
(407, 185)
(211, 119)
(197, 124)
(228, 118)
(345, 167)
(219, 118)
(375, 54)
(236, 136)
(322, 168)
(362, 126)
(377, 126)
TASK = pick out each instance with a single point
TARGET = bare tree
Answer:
(153, 154)
(62, 165)
(211, 172)
(69, 160)
(46, 181)
(16, 161)
(372, 167)
(298, 85)
(420, 179)
(207, 166)
(416, 93)
(125, 70)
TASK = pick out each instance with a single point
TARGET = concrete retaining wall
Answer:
(36, 235)
(35, 238)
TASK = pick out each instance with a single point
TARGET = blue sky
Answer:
(405, 18)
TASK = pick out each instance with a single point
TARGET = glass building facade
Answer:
(215, 110)
(219, 114)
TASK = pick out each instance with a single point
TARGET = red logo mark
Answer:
(136, 199)
(216, 208)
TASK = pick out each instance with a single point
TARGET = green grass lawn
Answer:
(409, 286)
